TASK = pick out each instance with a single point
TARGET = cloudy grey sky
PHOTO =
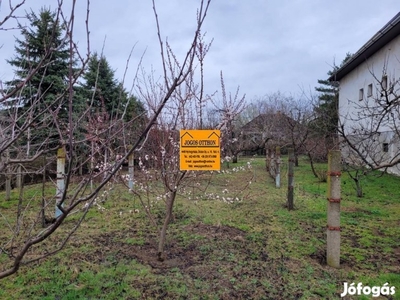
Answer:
(263, 46)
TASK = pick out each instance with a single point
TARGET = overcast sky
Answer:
(263, 46)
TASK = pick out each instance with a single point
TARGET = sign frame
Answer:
(200, 150)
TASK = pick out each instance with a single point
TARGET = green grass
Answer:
(249, 248)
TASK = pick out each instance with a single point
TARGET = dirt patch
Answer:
(395, 268)
(213, 231)
(319, 256)
(176, 255)
(227, 261)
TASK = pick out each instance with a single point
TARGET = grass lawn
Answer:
(233, 240)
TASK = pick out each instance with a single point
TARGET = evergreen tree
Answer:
(327, 109)
(42, 51)
(110, 106)
(135, 111)
(135, 117)
(101, 88)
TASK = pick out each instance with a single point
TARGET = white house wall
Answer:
(385, 62)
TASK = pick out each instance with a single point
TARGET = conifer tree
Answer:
(106, 96)
(101, 88)
(327, 108)
(42, 51)
(135, 117)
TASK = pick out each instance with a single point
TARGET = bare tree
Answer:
(25, 232)
(257, 124)
(229, 110)
(202, 99)
(297, 115)
(275, 120)
(184, 111)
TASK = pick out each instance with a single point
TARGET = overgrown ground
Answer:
(253, 248)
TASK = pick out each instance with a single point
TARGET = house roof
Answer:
(272, 122)
(380, 39)
(261, 121)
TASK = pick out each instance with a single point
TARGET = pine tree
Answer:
(327, 109)
(42, 51)
(135, 111)
(100, 87)
(109, 102)
(135, 118)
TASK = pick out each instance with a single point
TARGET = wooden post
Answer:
(131, 171)
(60, 179)
(278, 167)
(290, 193)
(267, 158)
(333, 228)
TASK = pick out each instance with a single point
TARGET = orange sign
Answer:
(200, 150)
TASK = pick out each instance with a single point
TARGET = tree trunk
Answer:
(290, 193)
(234, 159)
(42, 211)
(358, 187)
(312, 165)
(168, 216)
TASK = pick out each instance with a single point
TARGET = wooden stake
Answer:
(290, 193)
(278, 167)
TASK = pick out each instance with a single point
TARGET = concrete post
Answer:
(60, 179)
(8, 185)
(278, 167)
(272, 166)
(290, 193)
(18, 182)
(333, 228)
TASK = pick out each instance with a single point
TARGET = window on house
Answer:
(361, 94)
(385, 147)
(369, 91)
(384, 82)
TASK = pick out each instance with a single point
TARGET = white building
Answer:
(369, 104)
